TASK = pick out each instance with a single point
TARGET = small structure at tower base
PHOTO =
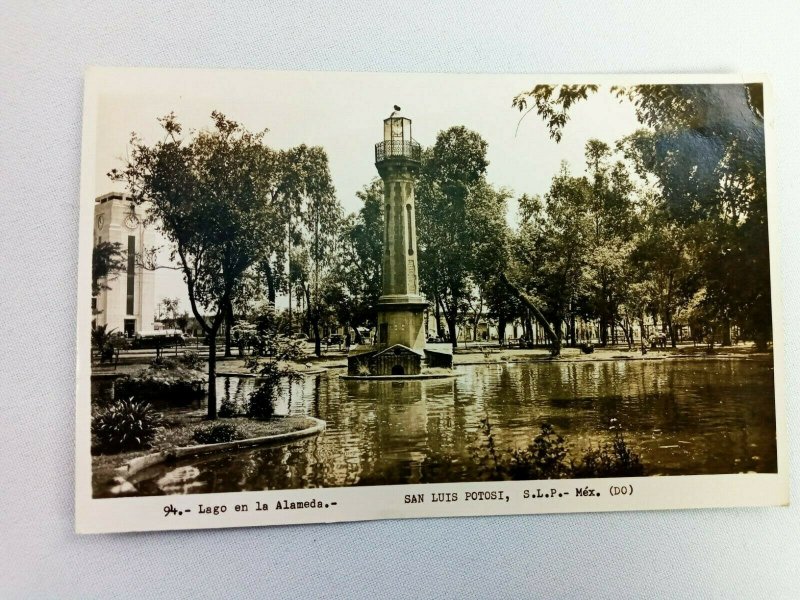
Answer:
(397, 360)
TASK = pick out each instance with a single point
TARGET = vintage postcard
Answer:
(314, 297)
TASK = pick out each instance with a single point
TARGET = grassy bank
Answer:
(179, 430)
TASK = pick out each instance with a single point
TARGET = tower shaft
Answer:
(401, 307)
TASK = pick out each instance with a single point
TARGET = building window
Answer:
(384, 333)
(130, 278)
(387, 223)
(408, 224)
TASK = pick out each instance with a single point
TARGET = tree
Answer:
(663, 265)
(460, 221)
(552, 249)
(108, 261)
(486, 215)
(247, 291)
(611, 208)
(318, 214)
(182, 321)
(204, 195)
(169, 306)
(289, 178)
(704, 151)
(355, 284)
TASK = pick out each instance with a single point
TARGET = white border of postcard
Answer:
(324, 505)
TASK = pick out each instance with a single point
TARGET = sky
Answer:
(343, 113)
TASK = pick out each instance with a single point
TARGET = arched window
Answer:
(408, 223)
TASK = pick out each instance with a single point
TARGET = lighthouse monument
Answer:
(399, 346)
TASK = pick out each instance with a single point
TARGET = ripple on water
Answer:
(682, 416)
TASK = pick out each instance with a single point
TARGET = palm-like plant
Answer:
(101, 340)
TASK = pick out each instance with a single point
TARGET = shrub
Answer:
(261, 402)
(188, 360)
(229, 408)
(168, 381)
(488, 462)
(544, 458)
(216, 433)
(192, 360)
(164, 362)
(444, 467)
(125, 425)
(609, 460)
(108, 343)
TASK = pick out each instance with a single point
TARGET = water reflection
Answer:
(683, 417)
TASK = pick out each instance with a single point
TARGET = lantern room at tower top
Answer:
(397, 142)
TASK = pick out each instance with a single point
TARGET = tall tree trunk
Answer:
(438, 315)
(290, 308)
(501, 328)
(451, 330)
(530, 305)
(726, 332)
(312, 321)
(317, 337)
(451, 315)
(572, 338)
(228, 325)
(476, 320)
(306, 309)
(613, 330)
(603, 331)
(671, 329)
(270, 277)
(556, 348)
(212, 375)
(642, 333)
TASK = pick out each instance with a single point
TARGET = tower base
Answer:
(398, 361)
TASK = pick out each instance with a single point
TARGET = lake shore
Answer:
(478, 354)
(178, 431)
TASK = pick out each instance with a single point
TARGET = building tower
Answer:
(399, 348)
(400, 307)
(126, 303)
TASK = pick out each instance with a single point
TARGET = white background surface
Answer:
(44, 50)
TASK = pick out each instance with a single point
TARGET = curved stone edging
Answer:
(256, 375)
(142, 462)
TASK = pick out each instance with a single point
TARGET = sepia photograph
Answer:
(298, 281)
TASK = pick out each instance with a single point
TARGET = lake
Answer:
(682, 416)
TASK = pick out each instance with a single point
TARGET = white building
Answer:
(128, 305)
